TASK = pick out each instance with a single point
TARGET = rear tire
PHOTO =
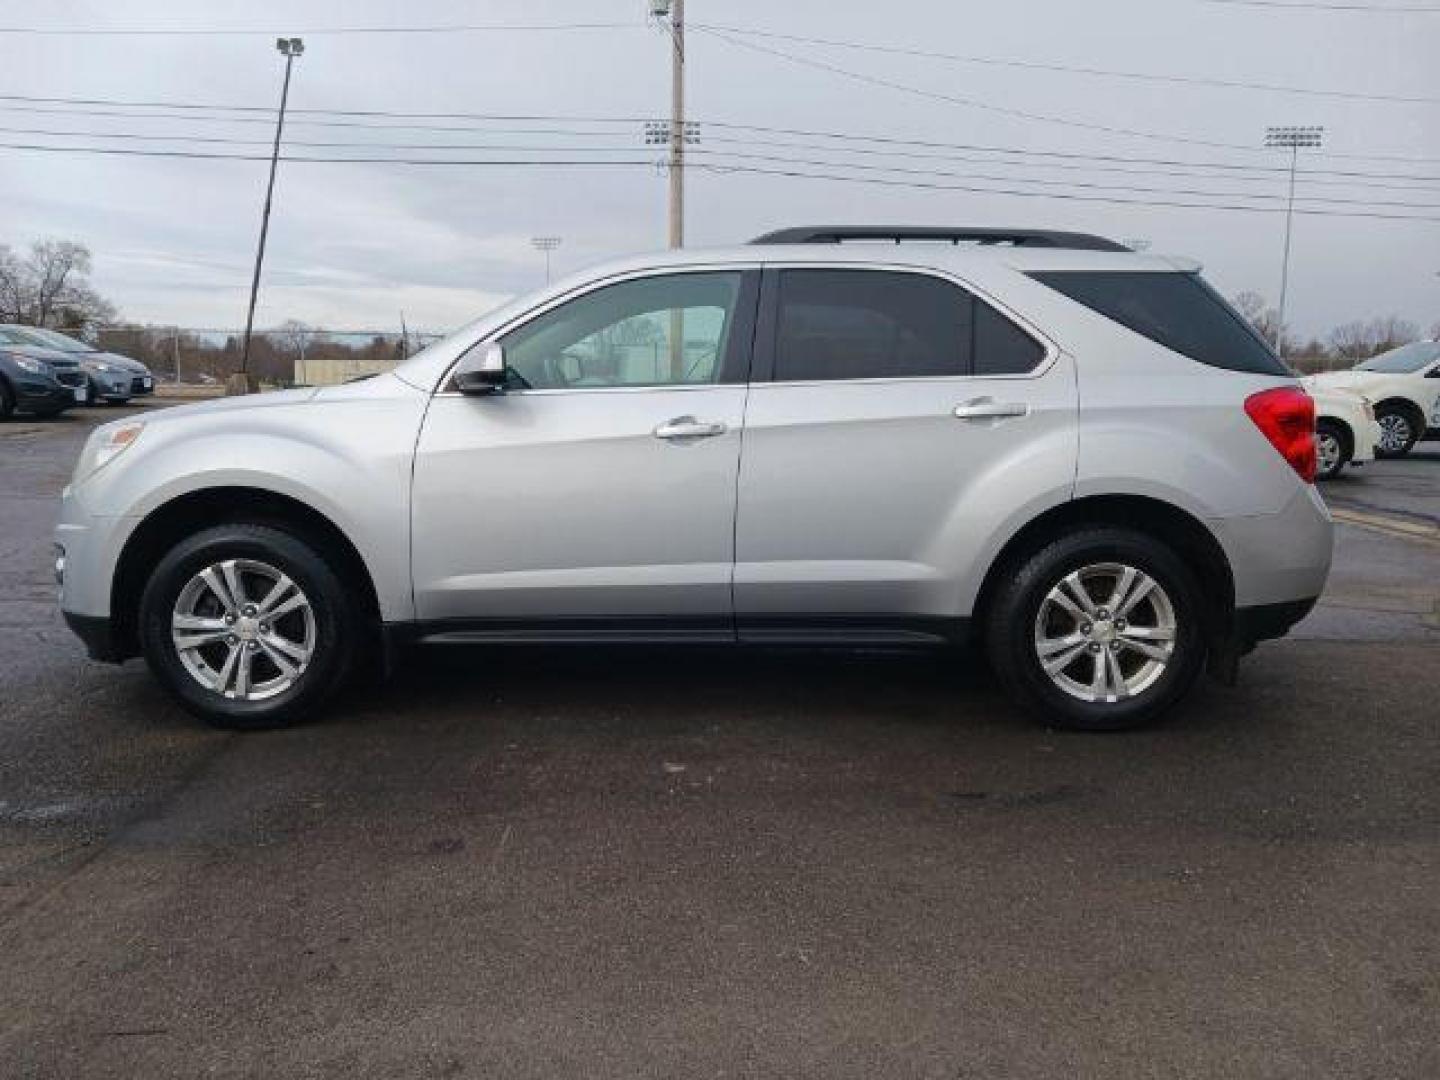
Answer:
(1059, 647)
(231, 658)
(1398, 431)
(1332, 449)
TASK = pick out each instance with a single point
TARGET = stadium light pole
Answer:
(1292, 139)
(547, 244)
(289, 48)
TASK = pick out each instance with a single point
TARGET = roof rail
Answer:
(837, 234)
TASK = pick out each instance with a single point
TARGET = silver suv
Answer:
(1075, 456)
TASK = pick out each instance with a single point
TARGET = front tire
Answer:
(1332, 449)
(1099, 630)
(248, 626)
(1398, 431)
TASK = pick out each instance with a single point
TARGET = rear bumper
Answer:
(98, 636)
(1279, 558)
(1265, 621)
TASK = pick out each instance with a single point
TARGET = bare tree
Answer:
(1264, 318)
(1360, 339)
(50, 286)
(11, 290)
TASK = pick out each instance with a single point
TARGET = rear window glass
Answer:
(1178, 310)
(1001, 347)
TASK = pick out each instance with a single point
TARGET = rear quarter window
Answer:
(1177, 310)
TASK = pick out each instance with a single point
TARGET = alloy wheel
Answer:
(1105, 632)
(1327, 450)
(1394, 433)
(243, 629)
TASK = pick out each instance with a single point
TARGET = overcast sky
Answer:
(353, 245)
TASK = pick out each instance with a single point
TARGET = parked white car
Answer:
(1346, 430)
(1404, 384)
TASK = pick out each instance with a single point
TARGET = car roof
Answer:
(919, 254)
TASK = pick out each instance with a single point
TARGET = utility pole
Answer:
(289, 48)
(1291, 138)
(547, 244)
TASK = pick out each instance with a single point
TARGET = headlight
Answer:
(103, 367)
(103, 447)
(39, 367)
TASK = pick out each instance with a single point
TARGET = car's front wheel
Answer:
(1098, 630)
(1398, 432)
(248, 625)
(1332, 449)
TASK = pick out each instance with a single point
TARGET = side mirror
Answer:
(482, 370)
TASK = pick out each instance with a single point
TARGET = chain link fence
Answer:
(293, 356)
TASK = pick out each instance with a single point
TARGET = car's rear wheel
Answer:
(1099, 630)
(248, 626)
(1332, 449)
(1398, 431)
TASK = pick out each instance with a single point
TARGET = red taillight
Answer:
(1286, 416)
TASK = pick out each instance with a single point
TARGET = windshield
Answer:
(1404, 360)
(52, 340)
(11, 336)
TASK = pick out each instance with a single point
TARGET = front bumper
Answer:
(112, 385)
(40, 394)
(88, 550)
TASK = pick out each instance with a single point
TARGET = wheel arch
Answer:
(1411, 409)
(186, 514)
(1346, 432)
(1187, 534)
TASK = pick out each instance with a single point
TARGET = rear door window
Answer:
(869, 324)
(881, 324)
(1177, 310)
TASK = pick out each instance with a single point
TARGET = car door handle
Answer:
(990, 409)
(687, 427)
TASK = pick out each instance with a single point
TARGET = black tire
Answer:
(338, 624)
(7, 400)
(91, 397)
(1343, 451)
(1400, 420)
(1011, 620)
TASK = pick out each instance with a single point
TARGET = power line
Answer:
(1179, 80)
(162, 31)
(1307, 5)
(1073, 198)
(906, 155)
(1028, 65)
(720, 168)
(194, 109)
(1003, 110)
(742, 155)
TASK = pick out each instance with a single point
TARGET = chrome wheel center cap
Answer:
(247, 628)
(1103, 631)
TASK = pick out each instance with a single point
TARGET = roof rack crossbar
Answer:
(838, 234)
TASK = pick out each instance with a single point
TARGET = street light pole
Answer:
(547, 244)
(290, 48)
(1291, 138)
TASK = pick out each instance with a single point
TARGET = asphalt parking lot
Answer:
(545, 863)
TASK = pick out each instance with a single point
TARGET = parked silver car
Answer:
(1077, 456)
